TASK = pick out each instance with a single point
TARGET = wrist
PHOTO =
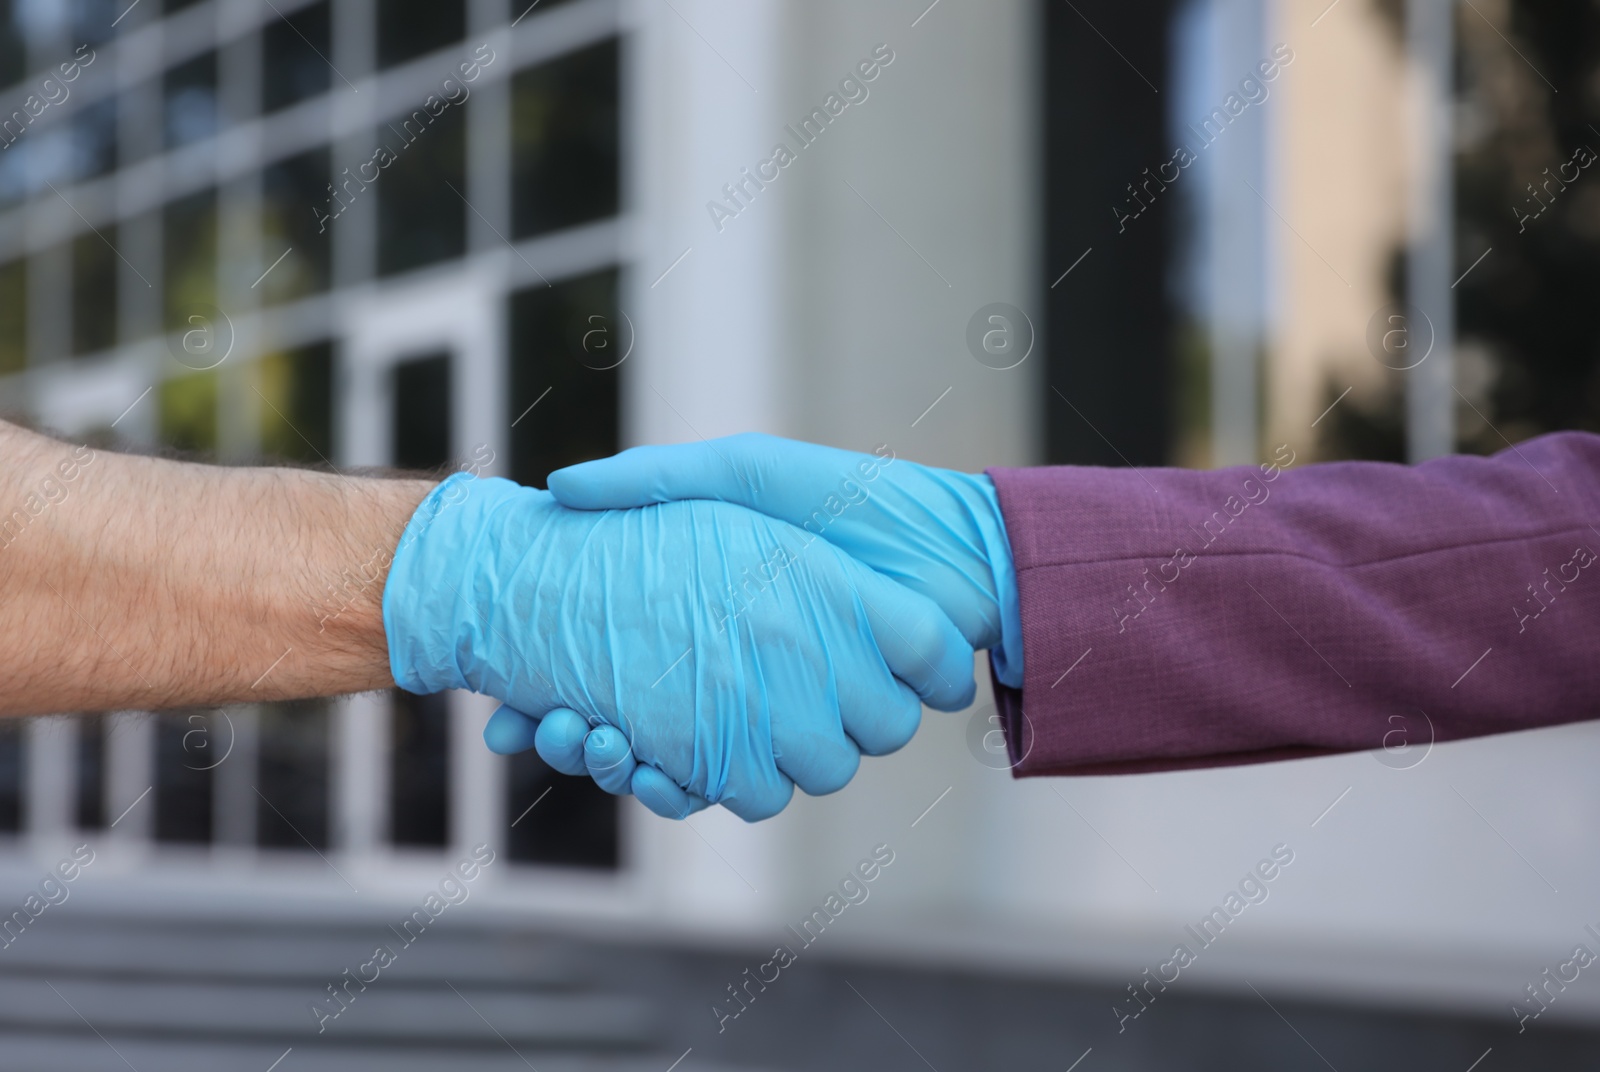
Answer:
(338, 608)
(444, 568)
(1005, 639)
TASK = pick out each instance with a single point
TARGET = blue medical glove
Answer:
(739, 656)
(936, 531)
(565, 742)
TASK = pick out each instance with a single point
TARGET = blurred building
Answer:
(510, 235)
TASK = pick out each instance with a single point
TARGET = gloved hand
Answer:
(937, 532)
(739, 657)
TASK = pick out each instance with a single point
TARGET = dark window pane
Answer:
(419, 769)
(421, 424)
(94, 140)
(13, 47)
(296, 404)
(11, 776)
(293, 775)
(411, 28)
(189, 235)
(520, 9)
(293, 66)
(169, 6)
(558, 362)
(1531, 358)
(189, 94)
(420, 219)
(91, 773)
(183, 784)
(13, 316)
(419, 784)
(575, 823)
(14, 178)
(562, 340)
(92, 21)
(564, 141)
(94, 292)
(289, 190)
(188, 413)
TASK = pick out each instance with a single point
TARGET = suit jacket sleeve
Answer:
(1174, 618)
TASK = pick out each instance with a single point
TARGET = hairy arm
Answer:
(132, 582)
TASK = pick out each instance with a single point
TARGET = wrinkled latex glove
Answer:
(936, 531)
(737, 656)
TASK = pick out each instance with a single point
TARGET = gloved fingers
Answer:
(757, 802)
(881, 718)
(818, 758)
(608, 755)
(919, 642)
(736, 469)
(664, 796)
(509, 731)
(560, 741)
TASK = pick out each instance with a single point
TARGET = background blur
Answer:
(478, 233)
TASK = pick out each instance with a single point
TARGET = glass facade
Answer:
(236, 213)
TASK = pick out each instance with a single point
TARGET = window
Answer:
(13, 47)
(91, 802)
(294, 394)
(420, 431)
(519, 9)
(183, 783)
(565, 142)
(190, 106)
(289, 189)
(94, 140)
(294, 51)
(292, 776)
(94, 292)
(14, 316)
(1114, 369)
(94, 21)
(420, 218)
(575, 824)
(555, 145)
(565, 343)
(187, 419)
(15, 181)
(189, 238)
(411, 28)
(11, 776)
(419, 767)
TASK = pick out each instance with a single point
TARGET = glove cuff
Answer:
(1007, 656)
(428, 618)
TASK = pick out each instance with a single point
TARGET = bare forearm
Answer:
(143, 583)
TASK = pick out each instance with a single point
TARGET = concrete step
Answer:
(46, 1052)
(314, 954)
(276, 1013)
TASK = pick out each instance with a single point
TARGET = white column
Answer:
(50, 776)
(477, 776)
(360, 771)
(707, 360)
(1430, 394)
(232, 752)
(705, 363)
(130, 776)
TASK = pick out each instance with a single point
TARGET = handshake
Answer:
(712, 623)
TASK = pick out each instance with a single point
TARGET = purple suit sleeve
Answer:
(1174, 618)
